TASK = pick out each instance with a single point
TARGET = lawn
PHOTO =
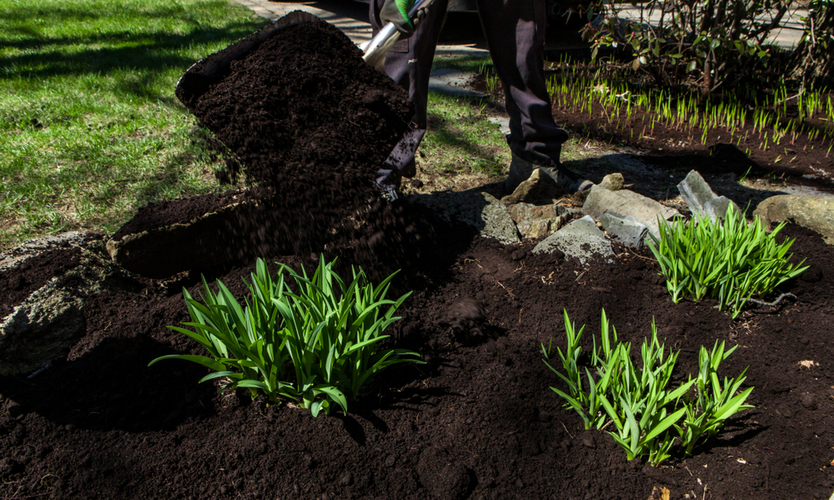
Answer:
(90, 128)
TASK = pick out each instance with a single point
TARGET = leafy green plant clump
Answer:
(649, 415)
(316, 347)
(729, 261)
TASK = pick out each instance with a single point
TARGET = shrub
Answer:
(648, 414)
(316, 347)
(729, 261)
(713, 43)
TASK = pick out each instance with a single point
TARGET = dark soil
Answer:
(477, 421)
(32, 274)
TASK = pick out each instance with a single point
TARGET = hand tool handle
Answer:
(376, 49)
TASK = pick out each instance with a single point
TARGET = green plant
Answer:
(317, 346)
(638, 399)
(705, 414)
(722, 41)
(729, 261)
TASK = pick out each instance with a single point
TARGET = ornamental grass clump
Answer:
(730, 261)
(317, 346)
(649, 415)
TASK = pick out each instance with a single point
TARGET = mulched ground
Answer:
(477, 421)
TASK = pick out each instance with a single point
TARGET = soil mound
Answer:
(305, 114)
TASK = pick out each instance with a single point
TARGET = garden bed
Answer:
(478, 420)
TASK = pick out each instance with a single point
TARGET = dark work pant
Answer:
(515, 32)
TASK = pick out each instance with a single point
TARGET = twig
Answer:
(770, 304)
(566, 430)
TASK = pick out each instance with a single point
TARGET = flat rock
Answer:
(14, 256)
(581, 239)
(478, 209)
(627, 203)
(812, 212)
(229, 233)
(626, 229)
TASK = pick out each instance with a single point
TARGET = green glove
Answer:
(396, 11)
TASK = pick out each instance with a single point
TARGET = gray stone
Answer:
(477, 209)
(626, 229)
(812, 212)
(627, 203)
(539, 221)
(581, 239)
(701, 199)
(539, 187)
(44, 326)
(612, 182)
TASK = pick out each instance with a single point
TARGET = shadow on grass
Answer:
(450, 138)
(109, 52)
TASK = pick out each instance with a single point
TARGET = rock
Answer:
(538, 187)
(581, 239)
(626, 229)
(701, 199)
(44, 326)
(627, 203)
(612, 182)
(477, 209)
(535, 221)
(812, 212)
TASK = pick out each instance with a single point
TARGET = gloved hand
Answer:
(396, 11)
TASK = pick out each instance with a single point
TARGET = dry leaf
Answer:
(807, 363)
(660, 493)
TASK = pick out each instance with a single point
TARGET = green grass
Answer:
(461, 139)
(90, 128)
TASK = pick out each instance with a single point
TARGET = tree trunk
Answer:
(812, 64)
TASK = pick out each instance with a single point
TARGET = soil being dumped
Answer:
(477, 421)
(309, 121)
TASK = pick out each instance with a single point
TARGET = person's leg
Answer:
(515, 32)
(409, 64)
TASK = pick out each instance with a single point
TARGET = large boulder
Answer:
(477, 209)
(812, 212)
